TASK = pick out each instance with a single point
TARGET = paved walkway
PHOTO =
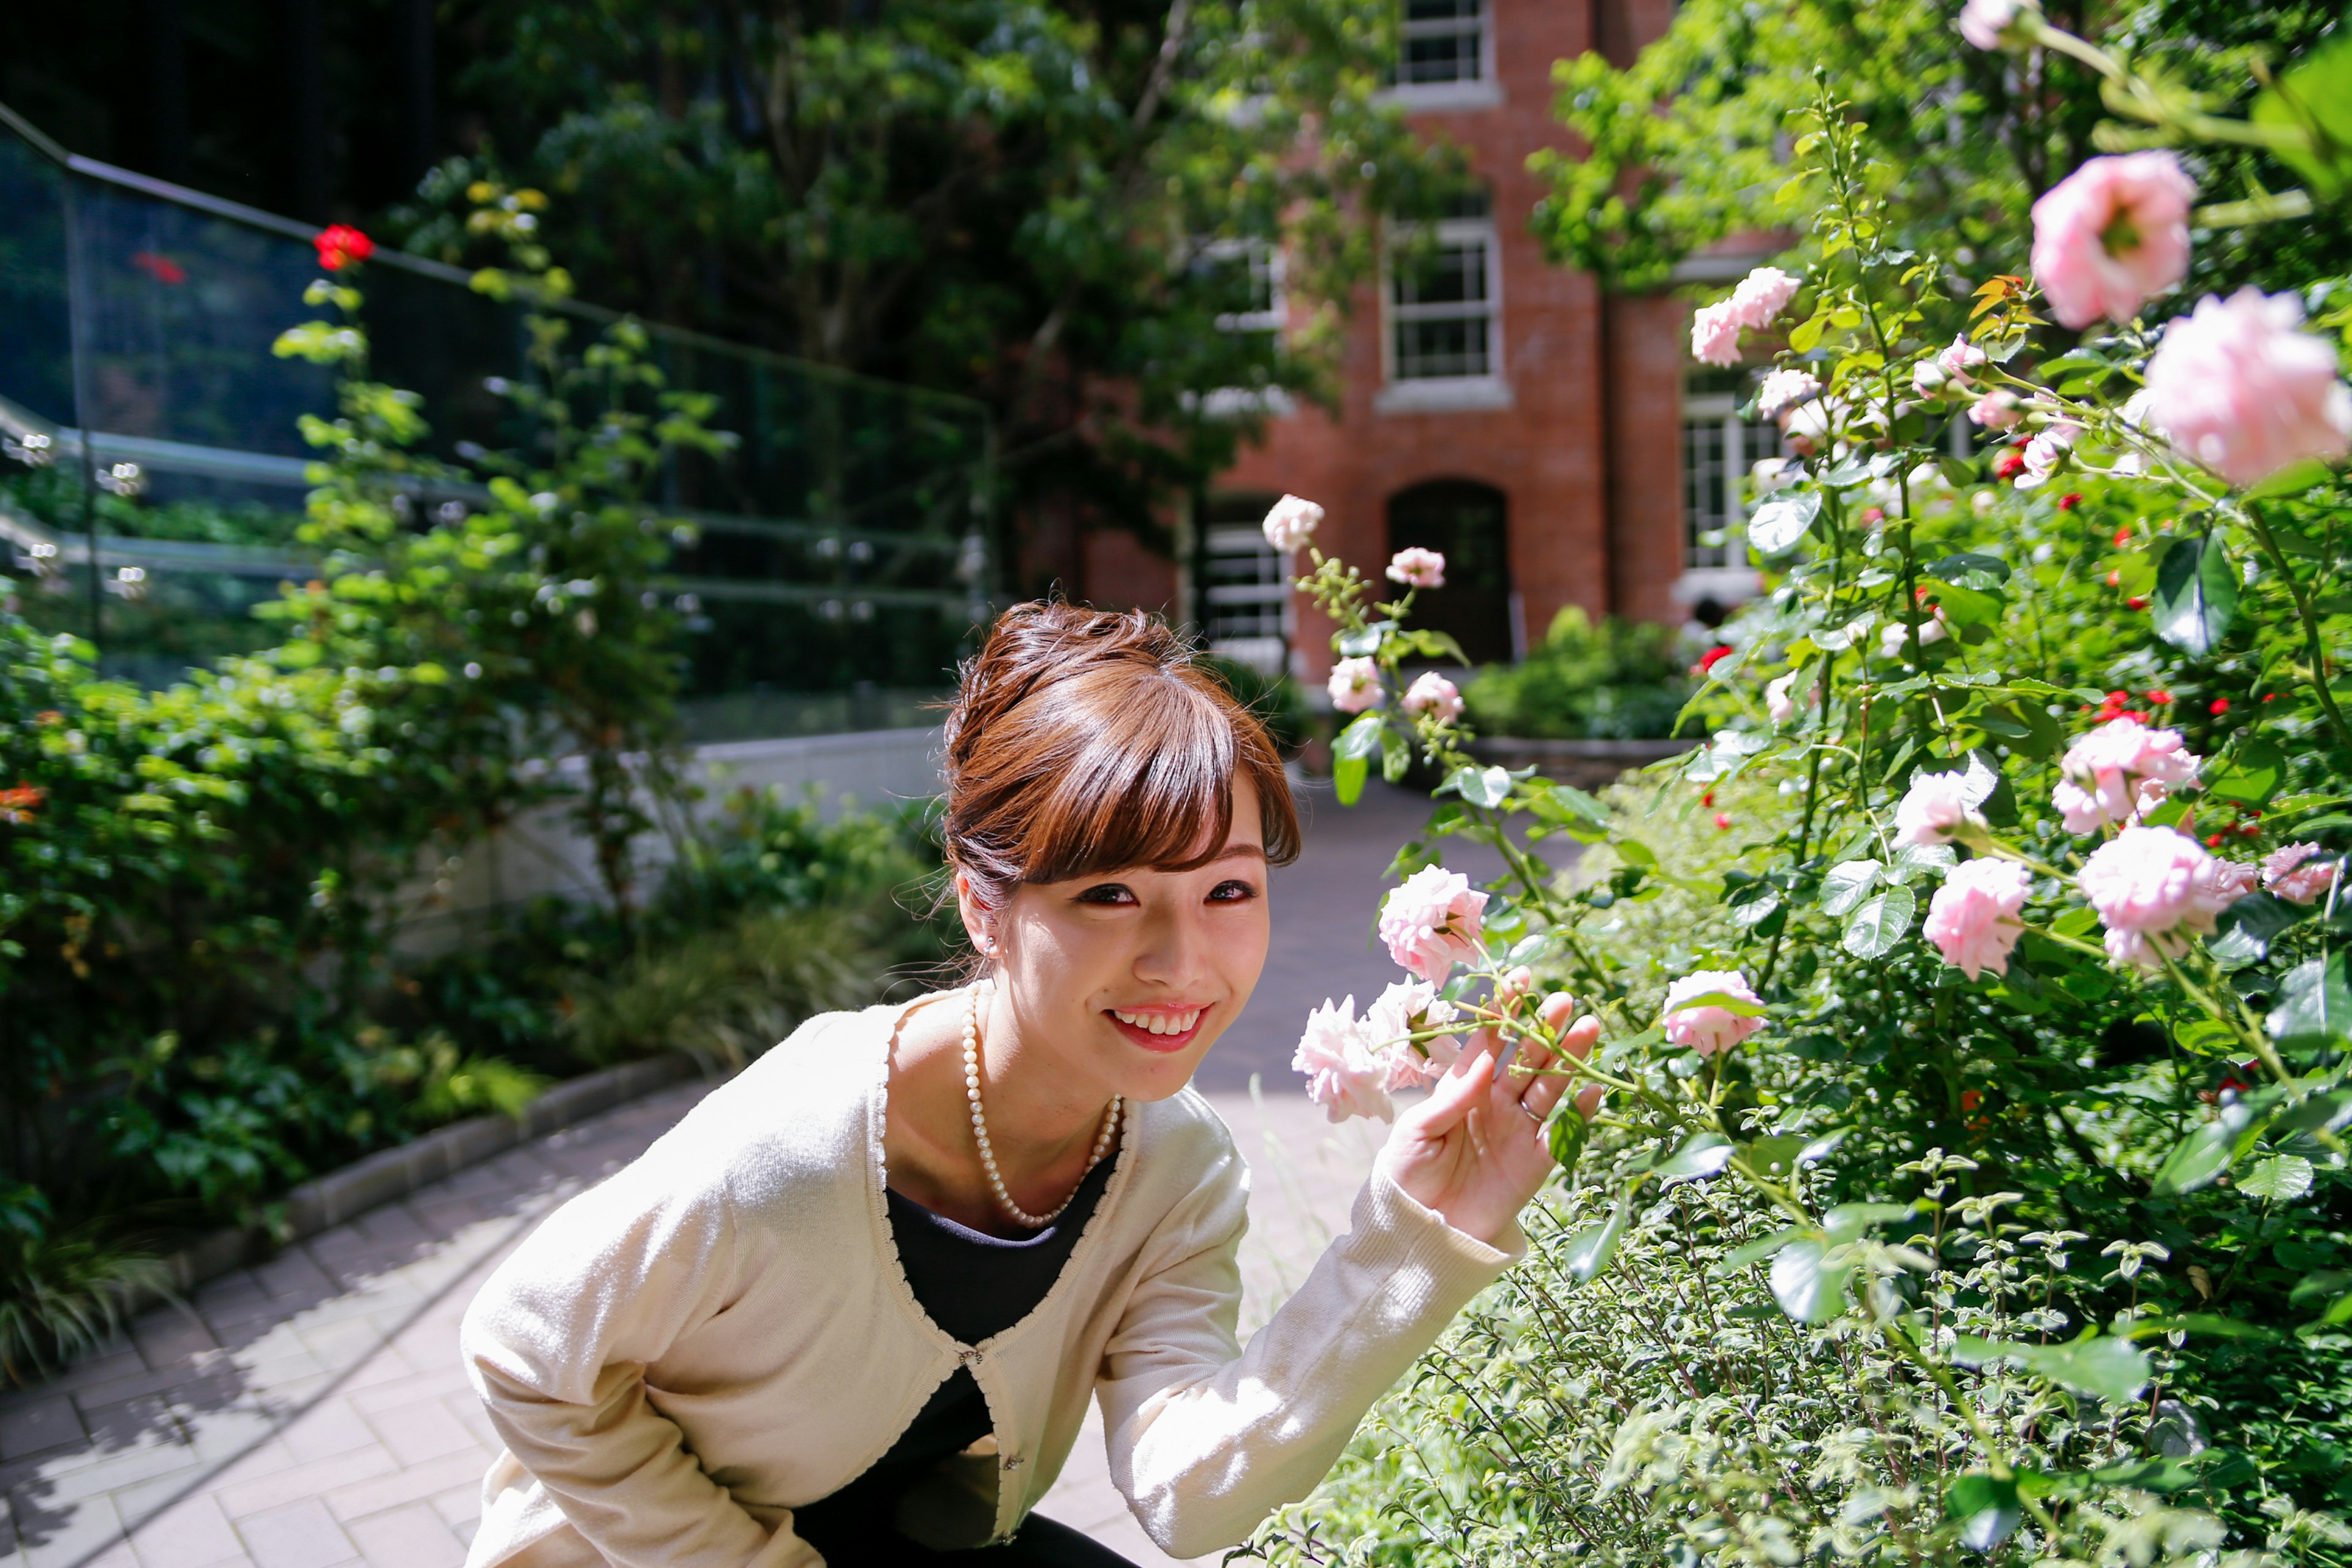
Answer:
(312, 1413)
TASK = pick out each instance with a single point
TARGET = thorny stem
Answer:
(2304, 613)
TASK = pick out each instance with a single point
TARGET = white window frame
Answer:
(1482, 389)
(1480, 90)
(1266, 649)
(1263, 257)
(1733, 578)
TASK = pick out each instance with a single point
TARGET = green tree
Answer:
(1054, 206)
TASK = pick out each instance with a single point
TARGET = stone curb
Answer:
(392, 1173)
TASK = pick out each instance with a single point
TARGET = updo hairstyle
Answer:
(1083, 742)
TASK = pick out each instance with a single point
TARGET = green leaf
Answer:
(2293, 480)
(1703, 1156)
(1396, 755)
(2108, 1369)
(2281, 1178)
(1846, 883)
(1807, 334)
(2252, 776)
(1347, 775)
(1964, 607)
(2195, 594)
(1772, 1157)
(2319, 86)
(2208, 1151)
(1847, 1221)
(2247, 928)
(1588, 1252)
(1985, 1507)
(1633, 852)
(1752, 904)
(1360, 739)
(1777, 525)
(2150, 1475)
(1971, 564)
(1756, 1251)
(1878, 924)
(1809, 1290)
(2202, 1324)
(1489, 787)
(1567, 1133)
(2314, 1004)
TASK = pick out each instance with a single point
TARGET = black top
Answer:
(973, 1286)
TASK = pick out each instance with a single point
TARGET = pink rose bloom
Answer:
(1715, 335)
(1355, 685)
(1417, 568)
(1291, 524)
(1404, 1007)
(2239, 387)
(1344, 1073)
(1777, 701)
(2110, 234)
(1810, 426)
(1433, 693)
(2107, 770)
(1973, 918)
(2286, 873)
(1708, 1029)
(1961, 357)
(2153, 889)
(2227, 881)
(1937, 806)
(2044, 453)
(1432, 922)
(1783, 390)
(1761, 295)
(1996, 410)
(1982, 22)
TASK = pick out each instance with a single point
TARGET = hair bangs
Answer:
(1150, 784)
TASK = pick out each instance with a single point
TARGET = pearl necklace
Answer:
(980, 1126)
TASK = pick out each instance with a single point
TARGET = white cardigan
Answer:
(721, 1332)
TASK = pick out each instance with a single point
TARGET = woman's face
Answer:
(1124, 980)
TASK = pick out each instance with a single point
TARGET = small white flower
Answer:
(1291, 523)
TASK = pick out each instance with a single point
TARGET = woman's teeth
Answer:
(1160, 1022)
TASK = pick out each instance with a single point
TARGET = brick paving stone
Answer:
(39, 1427)
(299, 1534)
(410, 1537)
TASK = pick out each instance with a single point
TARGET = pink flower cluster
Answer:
(1985, 23)
(1784, 389)
(2107, 772)
(1973, 918)
(1355, 685)
(2154, 890)
(1760, 296)
(1935, 808)
(1405, 1007)
(2291, 874)
(2238, 385)
(1417, 568)
(1353, 1065)
(1432, 923)
(2112, 234)
(1432, 694)
(2045, 453)
(1709, 1028)
(1291, 524)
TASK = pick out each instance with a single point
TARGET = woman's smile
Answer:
(1165, 1028)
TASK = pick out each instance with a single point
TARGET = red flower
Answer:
(2008, 464)
(2115, 579)
(2217, 706)
(49, 716)
(2160, 697)
(2250, 830)
(2272, 698)
(2123, 536)
(1721, 820)
(2068, 501)
(2136, 603)
(1873, 516)
(1707, 799)
(18, 806)
(1710, 659)
(2214, 841)
(1970, 1099)
(340, 246)
(162, 268)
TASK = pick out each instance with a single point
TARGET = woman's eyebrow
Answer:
(1240, 852)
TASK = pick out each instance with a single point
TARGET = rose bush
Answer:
(2019, 1229)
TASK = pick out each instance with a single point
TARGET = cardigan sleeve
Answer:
(1207, 1438)
(557, 1343)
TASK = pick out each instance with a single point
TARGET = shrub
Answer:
(1621, 681)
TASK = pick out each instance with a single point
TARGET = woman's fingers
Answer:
(1460, 1086)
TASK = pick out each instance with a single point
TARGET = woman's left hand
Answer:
(1475, 1151)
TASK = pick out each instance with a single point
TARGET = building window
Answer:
(1247, 275)
(1444, 295)
(1245, 587)
(1468, 523)
(1719, 449)
(1443, 41)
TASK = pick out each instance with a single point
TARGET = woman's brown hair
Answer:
(1082, 741)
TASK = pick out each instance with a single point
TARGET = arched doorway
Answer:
(1465, 521)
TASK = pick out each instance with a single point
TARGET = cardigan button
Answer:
(1015, 1463)
(970, 1358)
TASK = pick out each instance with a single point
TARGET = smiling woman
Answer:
(852, 1308)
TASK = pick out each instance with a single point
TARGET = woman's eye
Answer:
(1231, 892)
(1109, 893)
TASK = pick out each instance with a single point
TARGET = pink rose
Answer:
(2044, 453)
(1777, 701)
(1996, 410)
(1936, 806)
(2112, 234)
(2285, 873)
(1432, 922)
(1406, 1006)
(1417, 568)
(1710, 1029)
(2104, 774)
(1783, 390)
(1345, 1074)
(2153, 889)
(1982, 22)
(1432, 693)
(1715, 335)
(1355, 686)
(1961, 357)
(2237, 386)
(1761, 295)
(1973, 918)
(1291, 524)
(2227, 881)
